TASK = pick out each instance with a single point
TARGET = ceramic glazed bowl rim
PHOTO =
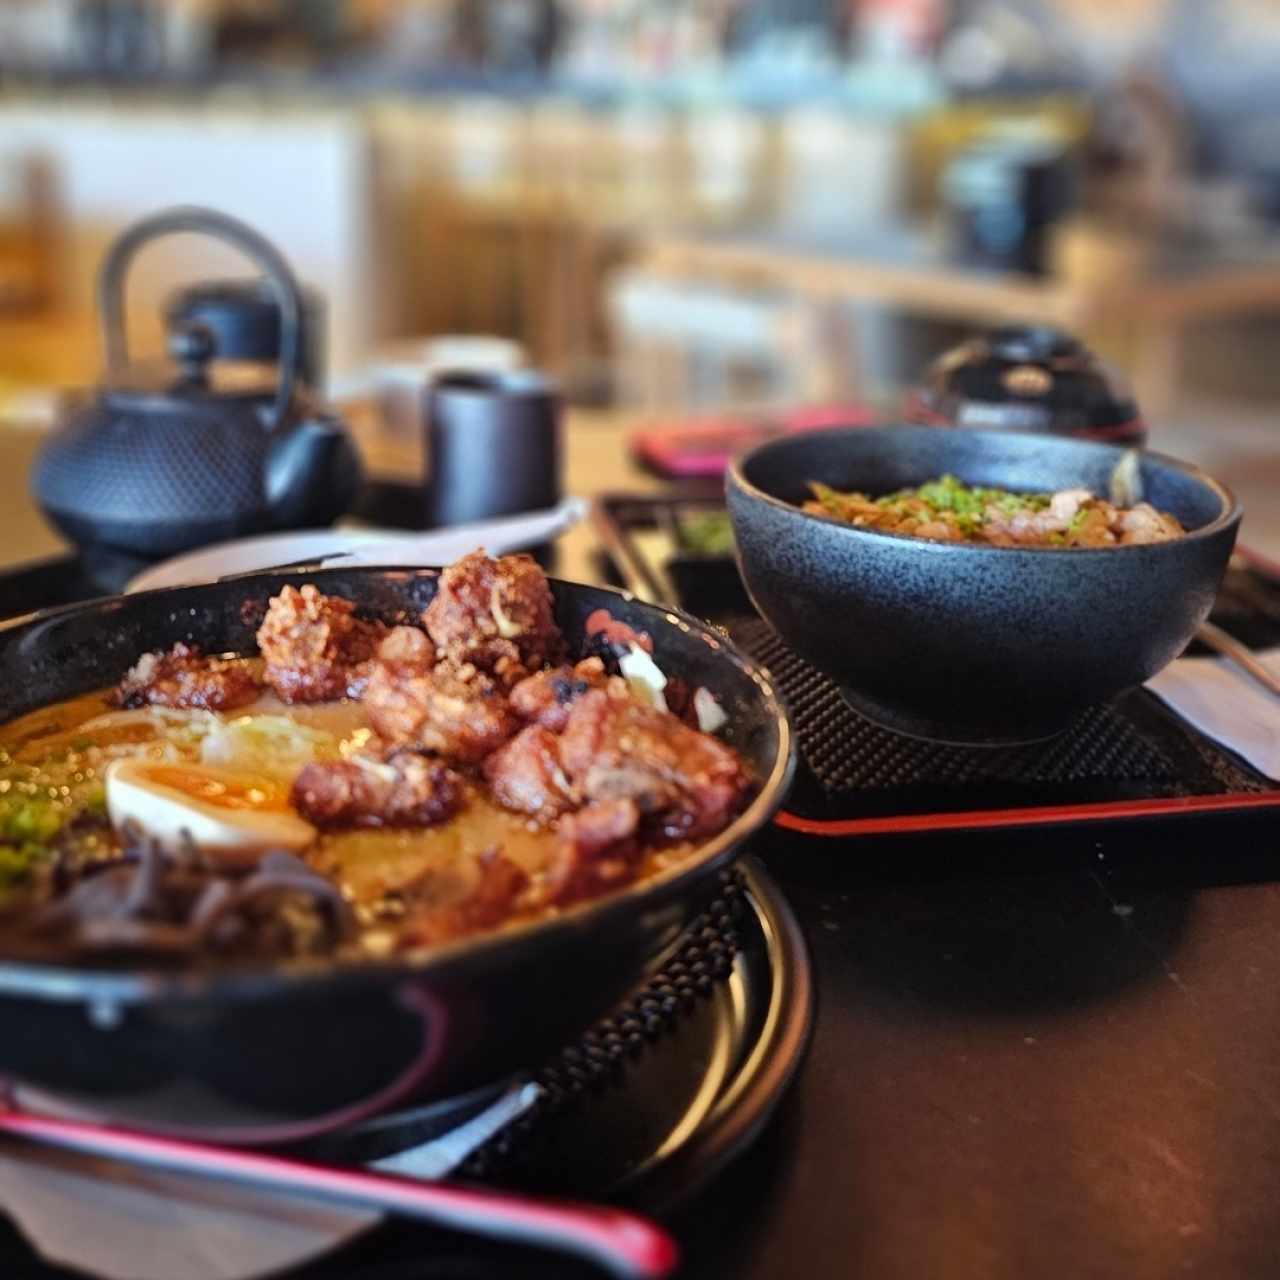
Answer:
(1230, 513)
(77, 982)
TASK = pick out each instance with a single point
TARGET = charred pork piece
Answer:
(407, 789)
(453, 710)
(184, 677)
(526, 775)
(596, 850)
(495, 615)
(685, 783)
(407, 647)
(316, 649)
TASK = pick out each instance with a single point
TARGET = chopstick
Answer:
(625, 1244)
(1240, 654)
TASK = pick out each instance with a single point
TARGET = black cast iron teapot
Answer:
(176, 454)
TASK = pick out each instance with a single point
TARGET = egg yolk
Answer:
(224, 791)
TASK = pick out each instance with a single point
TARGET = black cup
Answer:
(493, 446)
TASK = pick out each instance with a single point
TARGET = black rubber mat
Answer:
(1130, 749)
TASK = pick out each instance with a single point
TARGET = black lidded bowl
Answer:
(257, 1055)
(967, 642)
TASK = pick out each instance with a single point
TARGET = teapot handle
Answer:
(221, 227)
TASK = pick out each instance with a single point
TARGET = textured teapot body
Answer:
(313, 473)
(154, 488)
(154, 485)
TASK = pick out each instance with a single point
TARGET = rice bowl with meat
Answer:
(991, 609)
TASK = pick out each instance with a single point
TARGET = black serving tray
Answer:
(1133, 759)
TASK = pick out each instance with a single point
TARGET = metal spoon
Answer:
(1126, 491)
(628, 1246)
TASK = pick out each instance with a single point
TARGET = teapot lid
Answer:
(189, 379)
(1027, 379)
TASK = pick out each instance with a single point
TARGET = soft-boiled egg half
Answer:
(231, 816)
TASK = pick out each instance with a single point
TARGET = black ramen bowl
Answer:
(273, 1055)
(966, 642)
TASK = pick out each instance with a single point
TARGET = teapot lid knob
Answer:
(111, 280)
(192, 346)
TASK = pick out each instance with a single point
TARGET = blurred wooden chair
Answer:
(450, 184)
(28, 235)
(629, 174)
(511, 219)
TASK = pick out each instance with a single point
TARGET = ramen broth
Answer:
(54, 758)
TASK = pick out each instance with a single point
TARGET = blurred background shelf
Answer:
(674, 207)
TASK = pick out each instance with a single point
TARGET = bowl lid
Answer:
(1025, 379)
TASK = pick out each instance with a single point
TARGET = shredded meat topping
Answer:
(496, 615)
(184, 677)
(316, 649)
(408, 788)
(948, 510)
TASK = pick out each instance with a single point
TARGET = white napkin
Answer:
(1225, 704)
(128, 1223)
(124, 1222)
